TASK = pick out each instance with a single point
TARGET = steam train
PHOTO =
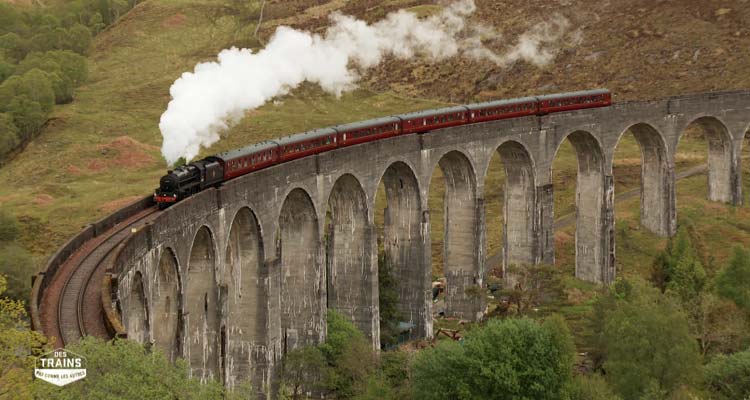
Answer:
(191, 178)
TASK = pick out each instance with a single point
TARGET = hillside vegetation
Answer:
(101, 150)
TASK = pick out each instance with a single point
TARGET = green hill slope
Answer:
(102, 150)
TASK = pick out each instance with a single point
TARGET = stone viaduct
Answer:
(234, 277)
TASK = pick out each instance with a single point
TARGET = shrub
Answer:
(8, 138)
(648, 344)
(727, 377)
(506, 359)
(733, 282)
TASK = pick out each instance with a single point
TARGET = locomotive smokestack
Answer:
(216, 94)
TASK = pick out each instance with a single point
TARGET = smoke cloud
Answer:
(216, 94)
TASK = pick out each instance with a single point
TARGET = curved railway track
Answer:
(72, 302)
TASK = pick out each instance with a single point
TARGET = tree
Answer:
(532, 286)
(10, 19)
(19, 346)
(607, 301)
(126, 369)
(348, 354)
(340, 366)
(33, 84)
(8, 141)
(17, 266)
(301, 371)
(71, 64)
(733, 282)
(388, 303)
(27, 114)
(105, 11)
(720, 326)
(505, 359)
(14, 46)
(686, 275)
(679, 247)
(591, 387)
(727, 376)
(648, 344)
(79, 39)
(96, 22)
(6, 68)
(62, 85)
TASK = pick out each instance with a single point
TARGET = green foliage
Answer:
(10, 19)
(390, 381)
(6, 69)
(376, 388)
(13, 46)
(340, 333)
(348, 354)
(79, 39)
(180, 161)
(18, 348)
(678, 261)
(719, 325)
(622, 290)
(591, 387)
(727, 376)
(65, 70)
(345, 366)
(388, 303)
(33, 84)
(8, 224)
(506, 359)
(301, 370)
(8, 137)
(533, 286)
(47, 44)
(27, 115)
(716, 325)
(686, 275)
(125, 369)
(647, 342)
(733, 282)
(17, 266)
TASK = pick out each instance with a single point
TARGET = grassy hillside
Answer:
(102, 150)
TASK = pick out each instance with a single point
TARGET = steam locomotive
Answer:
(186, 180)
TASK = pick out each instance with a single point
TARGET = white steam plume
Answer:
(216, 94)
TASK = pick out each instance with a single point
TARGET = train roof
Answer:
(366, 124)
(251, 149)
(434, 111)
(301, 137)
(573, 94)
(496, 103)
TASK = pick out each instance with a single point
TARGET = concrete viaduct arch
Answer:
(255, 263)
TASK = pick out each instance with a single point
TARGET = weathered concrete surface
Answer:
(351, 264)
(253, 283)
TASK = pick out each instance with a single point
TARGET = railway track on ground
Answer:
(72, 305)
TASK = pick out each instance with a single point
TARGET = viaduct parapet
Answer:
(234, 277)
